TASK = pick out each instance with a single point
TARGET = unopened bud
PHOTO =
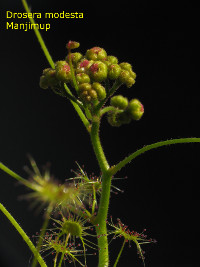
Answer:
(82, 78)
(72, 45)
(48, 78)
(85, 87)
(130, 81)
(100, 90)
(63, 72)
(112, 119)
(96, 53)
(114, 71)
(126, 66)
(119, 101)
(135, 109)
(98, 71)
(112, 59)
(124, 76)
(75, 57)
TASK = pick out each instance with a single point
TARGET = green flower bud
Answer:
(75, 58)
(96, 53)
(72, 45)
(43, 82)
(84, 95)
(63, 72)
(130, 81)
(82, 78)
(93, 94)
(98, 71)
(133, 74)
(100, 90)
(114, 71)
(48, 78)
(124, 117)
(119, 101)
(87, 93)
(125, 66)
(135, 109)
(124, 76)
(112, 59)
(85, 87)
(112, 119)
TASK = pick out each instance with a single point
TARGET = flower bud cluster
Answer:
(91, 92)
(124, 111)
(91, 72)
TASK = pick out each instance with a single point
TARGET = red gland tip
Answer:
(96, 49)
(66, 68)
(142, 108)
(84, 63)
(94, 67)
(72, 45)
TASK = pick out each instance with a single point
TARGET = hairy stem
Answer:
(100, 221)
(23, 235)
(121, 164)
(104, 166)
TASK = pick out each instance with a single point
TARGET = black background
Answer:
(162, 190)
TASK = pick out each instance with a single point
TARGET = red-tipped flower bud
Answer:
(98, 71)
(96, 53)
(63, 72)
(72, 45)
(135, 109)
(75, 57)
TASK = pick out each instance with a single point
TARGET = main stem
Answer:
(100, 221)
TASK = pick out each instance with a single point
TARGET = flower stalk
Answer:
(24, 236)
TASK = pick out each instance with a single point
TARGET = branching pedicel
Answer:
(80, 206)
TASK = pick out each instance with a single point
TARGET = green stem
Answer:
(24, 236)
(119, 255)
(107, 109)
(49, 59)
(104, 166)
(121, 164)
(100, 221)
(14, 175)
(115, 86)
(78, 110)
(44, 228)
(40, 39)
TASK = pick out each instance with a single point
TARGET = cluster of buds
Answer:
(95, 76)
(124, 111)
(91, 72)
